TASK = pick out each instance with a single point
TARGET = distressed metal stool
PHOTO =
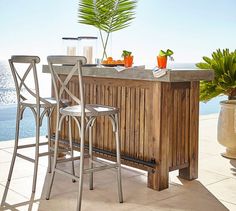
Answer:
(29, 98)
(84, 116)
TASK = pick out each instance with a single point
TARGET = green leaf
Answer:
(162, 53)
(223, 62)
(202, 65)
(107, 15)
(168, 52)
(126, 53)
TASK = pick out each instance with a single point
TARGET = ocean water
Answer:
(8, 109)
(27, 124)
(27, 127)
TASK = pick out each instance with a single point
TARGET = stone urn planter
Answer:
(226, 133)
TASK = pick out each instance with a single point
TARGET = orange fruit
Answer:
(119, 62)
(109, 58)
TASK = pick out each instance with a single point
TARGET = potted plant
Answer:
(108, 16)
(162, 58)
(223, 62)
(128, 58)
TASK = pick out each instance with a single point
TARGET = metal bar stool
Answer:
(22, 68)
(84, 116)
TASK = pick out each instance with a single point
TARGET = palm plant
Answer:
(106, 15)
(224, 65)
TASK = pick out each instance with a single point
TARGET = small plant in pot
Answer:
(223, 62)
(128, 58)
(162, 58)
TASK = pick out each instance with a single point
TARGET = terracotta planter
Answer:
(128, 61)
(161, 61)
(226, 133)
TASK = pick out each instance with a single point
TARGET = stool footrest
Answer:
(70, 159)
(66, 174)
(31, 145)
(25, 157)
(100, 168)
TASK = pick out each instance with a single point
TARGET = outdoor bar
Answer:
(159, 118)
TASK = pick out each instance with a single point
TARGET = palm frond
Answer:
(223, 62)
(107, 15)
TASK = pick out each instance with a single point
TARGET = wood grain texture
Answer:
(158, 124)
(191, 172)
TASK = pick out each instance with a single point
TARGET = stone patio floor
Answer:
(215, 189)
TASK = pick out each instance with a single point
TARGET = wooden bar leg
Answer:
(158, 178)
(191, 172)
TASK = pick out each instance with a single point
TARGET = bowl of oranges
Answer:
(110, 62)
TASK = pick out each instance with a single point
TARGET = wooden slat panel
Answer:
(101, 120)
(191, 172)
(137, 121)
(183, 123)
(180, 123)
(127, 122)
(132, 122)
(179, 111)
(142, 123)
(109, 129)
(115, 104)
(172, 139)
(187, 102)
(107, 123)
(98, 126)
(147, 120)
(123, 118)
(174, 128)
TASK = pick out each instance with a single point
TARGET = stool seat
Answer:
(32, 103)
(90, 110)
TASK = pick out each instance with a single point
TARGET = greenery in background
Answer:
(106, 15)
(224, 65)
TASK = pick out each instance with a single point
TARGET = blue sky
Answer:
(191, 28)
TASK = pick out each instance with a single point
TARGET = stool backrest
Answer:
(22, 67)
(74, 64)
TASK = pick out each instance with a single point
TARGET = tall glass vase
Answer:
(104, 45)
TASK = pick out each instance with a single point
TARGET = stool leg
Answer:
(49, 143)
(14, 155)
(36, 152)
(72, 151)
(90, 158)
(81, 173)
(54, 160)
(118, 160)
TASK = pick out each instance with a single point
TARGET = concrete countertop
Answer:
(139, 73)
